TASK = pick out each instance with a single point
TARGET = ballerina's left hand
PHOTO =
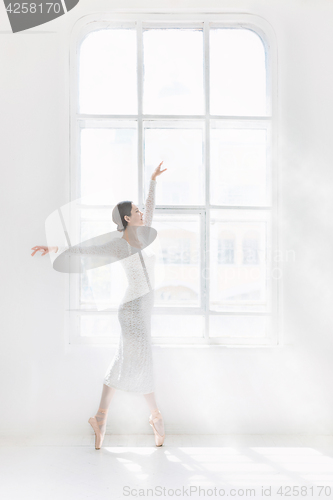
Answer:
(157, 171)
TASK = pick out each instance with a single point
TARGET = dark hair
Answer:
(118, 214)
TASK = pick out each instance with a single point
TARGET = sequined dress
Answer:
(131, 368)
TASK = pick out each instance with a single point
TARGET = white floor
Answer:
(132, 466)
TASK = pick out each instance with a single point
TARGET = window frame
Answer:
(264, 30)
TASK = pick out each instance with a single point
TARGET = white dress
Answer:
(131, 368)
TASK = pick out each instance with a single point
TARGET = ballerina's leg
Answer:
(101, 415)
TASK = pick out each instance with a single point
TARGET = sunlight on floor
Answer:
(255, 466)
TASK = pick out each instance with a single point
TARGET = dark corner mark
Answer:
(70, 4)
(25, 15)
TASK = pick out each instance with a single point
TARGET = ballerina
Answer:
(131, 368)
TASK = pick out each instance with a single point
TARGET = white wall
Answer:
(49, 386)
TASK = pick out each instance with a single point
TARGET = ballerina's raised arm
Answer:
(147, 218)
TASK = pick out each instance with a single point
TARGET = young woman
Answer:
(131, 368)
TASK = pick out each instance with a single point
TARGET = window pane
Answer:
(237, 73)
(238, 326)
(109, 161)
(239, 261)
(177, 325)
(238, 167)
(182, 152)
(173, 71)
(100, 326)
(179, 237)
(107, 75)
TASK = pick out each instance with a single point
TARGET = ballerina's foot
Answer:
(159, 425)
(156, 421)
(98, 423)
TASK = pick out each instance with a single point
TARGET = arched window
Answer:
(198, 92)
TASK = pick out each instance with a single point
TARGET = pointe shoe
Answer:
(156, 415)
(99, 437)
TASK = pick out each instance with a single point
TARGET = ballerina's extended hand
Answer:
(157, 171)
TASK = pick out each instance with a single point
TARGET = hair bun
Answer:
(117, 219)
(119, 212)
